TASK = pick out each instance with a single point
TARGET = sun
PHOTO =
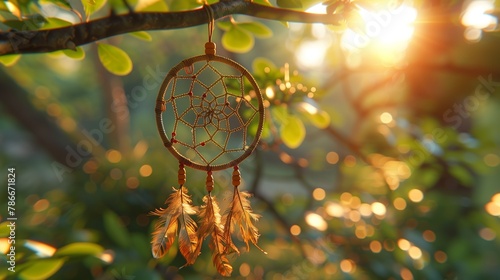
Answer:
(384, 33)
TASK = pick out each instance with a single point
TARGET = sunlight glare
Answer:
(476, 19)
(311, 54)
(41, 249)
(389, 29)
(317, 9)
(475, 14)
(316, 221)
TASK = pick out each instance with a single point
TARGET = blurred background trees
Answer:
(379, 158)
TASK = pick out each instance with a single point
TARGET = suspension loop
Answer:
(211, 21)
(210, 46)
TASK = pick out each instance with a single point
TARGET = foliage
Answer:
(379, 157)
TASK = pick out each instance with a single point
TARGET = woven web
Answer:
(209, 114)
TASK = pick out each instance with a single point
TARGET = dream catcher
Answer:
(210, 114)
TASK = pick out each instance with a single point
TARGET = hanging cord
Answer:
(210, 46)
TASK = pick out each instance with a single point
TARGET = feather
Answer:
(210, 225)
(240, 213)
(188, 240)
(175, 220)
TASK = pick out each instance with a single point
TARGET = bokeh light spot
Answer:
(375, 246)
(244, 269)
(399, 203)
(415, 253)
(406, 274)
(316, 221)
(378, 209)
(415, 195)
(335, 210)
(404, 244)
(347, 266)
(90, 166)
(440, 256)
(350, 161)
(295, 230)
(116, 173)
(146, 170)
(487, 234)
(332, 157)
(319, 194)
(113, 156)
(491, 160)
(386, 118)
(429, 235)
(41, 205)
(132, 182)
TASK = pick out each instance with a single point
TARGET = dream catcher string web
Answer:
(209, 113)
(210, 117)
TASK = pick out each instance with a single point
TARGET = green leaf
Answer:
(3, 7)
(41, 268)
(320, 119)
(289, 4)
(79, 248)
(262, 2)
(257, 28)
(79, 54)
(141, 244)
(280, 113)
(92, 6)
(184, 5)
(142, 35)
(224, 25)
(237, 40)
(60, 3)
(52, 23)
(10, 59)
(151, 6)
(4, 230)
(32, 23)
(115, 229)
(462, 174)
(293, 132)
(260, 63)
(114, 59)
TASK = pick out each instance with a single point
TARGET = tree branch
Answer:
(15, 102)
(38, 41)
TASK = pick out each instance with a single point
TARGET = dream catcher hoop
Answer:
(210, 114)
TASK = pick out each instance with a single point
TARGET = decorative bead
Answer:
(181, 175)
(210, 182)
(210, 48)
(163, 106)
(236, 177)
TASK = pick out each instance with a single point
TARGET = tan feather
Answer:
(175, 220)
(240, 213)
(210, 224)
(188, 239)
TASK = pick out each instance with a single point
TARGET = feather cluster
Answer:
(240, 214)
(210, 225)
(176, 220)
